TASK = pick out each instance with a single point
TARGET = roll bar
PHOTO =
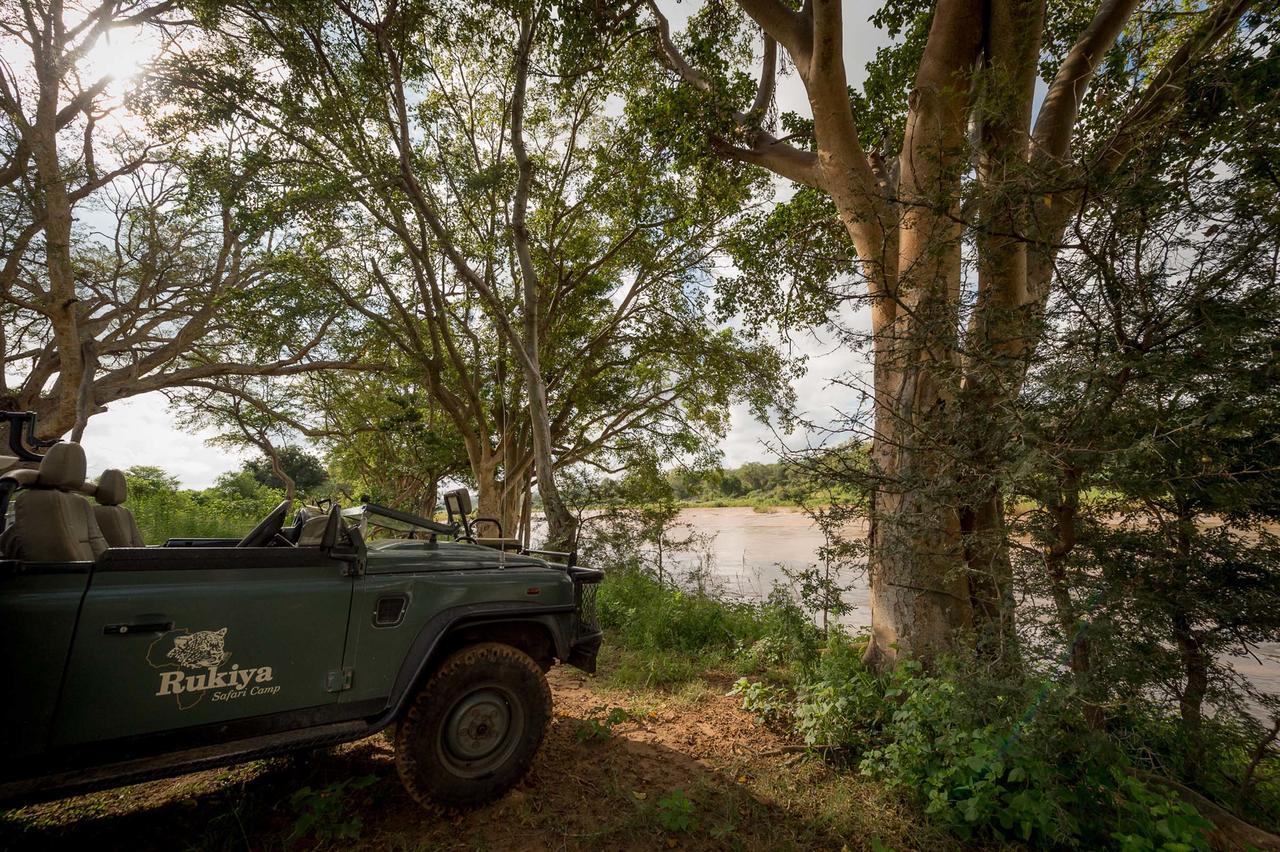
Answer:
(22, 435)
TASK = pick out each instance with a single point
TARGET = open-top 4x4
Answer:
(126, 662)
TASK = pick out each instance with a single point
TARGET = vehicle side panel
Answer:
(202, 645)
(37, 621)
(433, 598)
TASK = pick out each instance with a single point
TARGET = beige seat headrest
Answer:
(63, 467)
(112, 488)
(24, 476)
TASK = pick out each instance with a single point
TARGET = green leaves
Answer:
(325, 815)
(677, 812)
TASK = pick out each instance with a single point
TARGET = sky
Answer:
(141, 430)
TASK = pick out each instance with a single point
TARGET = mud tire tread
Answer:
(424, 783)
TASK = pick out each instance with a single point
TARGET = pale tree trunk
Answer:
(492, 500)
(939, 564)
(562, 530)
(920, 598)
(499, 496)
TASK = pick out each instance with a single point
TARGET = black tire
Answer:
(471, 732)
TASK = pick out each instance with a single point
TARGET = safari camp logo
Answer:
(193, 664)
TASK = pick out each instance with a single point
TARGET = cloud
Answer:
(141, 430)
(819, 399)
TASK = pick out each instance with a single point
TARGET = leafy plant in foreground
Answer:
(325, 814)
(676, 812)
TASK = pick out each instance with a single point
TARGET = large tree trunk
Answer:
(562, 532)
(919, 597)
(920, 600)
(494, 500)
(55, 207)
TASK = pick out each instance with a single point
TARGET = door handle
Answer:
(143, 627)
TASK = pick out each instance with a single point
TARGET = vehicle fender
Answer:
(423, 652)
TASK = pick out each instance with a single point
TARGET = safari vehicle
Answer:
(125, 663)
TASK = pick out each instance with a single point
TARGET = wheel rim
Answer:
(481, 731)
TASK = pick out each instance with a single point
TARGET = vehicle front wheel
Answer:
(471, 732)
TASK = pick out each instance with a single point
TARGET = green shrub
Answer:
(165, 511)
(1006, 759)
(676, 812)
(770, 704)
(843, 703)
(642, 615)
(661, 635)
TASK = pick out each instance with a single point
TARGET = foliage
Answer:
(164, 510)
(389, 440)
(137, 256)
(1148, 439)
(781, 483)
(769, 703)
(609, 270)
(987, 758)
(304, 468)
(676, 812)
(642, 614)
(841, 701)
(594, 729)
(326, 815)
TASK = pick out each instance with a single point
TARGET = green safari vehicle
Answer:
(128, 663)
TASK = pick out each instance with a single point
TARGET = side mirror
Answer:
(457, 505)
(457, 502)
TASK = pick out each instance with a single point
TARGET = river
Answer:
(745, 550)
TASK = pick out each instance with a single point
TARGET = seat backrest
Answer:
(117, 523)
(313, 531)
(52, 522)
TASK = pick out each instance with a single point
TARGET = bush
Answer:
(842, 702)
(664, 635)
(1003, 759)
(643, 615)
(165, 511)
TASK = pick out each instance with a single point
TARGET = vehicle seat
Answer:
(52, 522)
(116, 522)
(313, 531)
(294, 532)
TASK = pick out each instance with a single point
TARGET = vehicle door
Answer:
(230, 641)
(38, 603)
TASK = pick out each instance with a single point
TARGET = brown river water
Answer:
(744, 551)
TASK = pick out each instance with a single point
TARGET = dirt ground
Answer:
(691, 771)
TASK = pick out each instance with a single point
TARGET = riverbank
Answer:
(686, 769)
(714, 724)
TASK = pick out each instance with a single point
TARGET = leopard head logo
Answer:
(201, 650)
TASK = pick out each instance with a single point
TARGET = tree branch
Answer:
(1055, 125)
(793, 30)
(765, 150)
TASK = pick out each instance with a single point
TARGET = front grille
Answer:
(585, 601)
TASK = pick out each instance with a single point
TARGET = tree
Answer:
(937, 158)
(303, 471)
(388, 437)
(148, 480)
(254, 413)
(147, 300)
(1149, 419)
(540, 270)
